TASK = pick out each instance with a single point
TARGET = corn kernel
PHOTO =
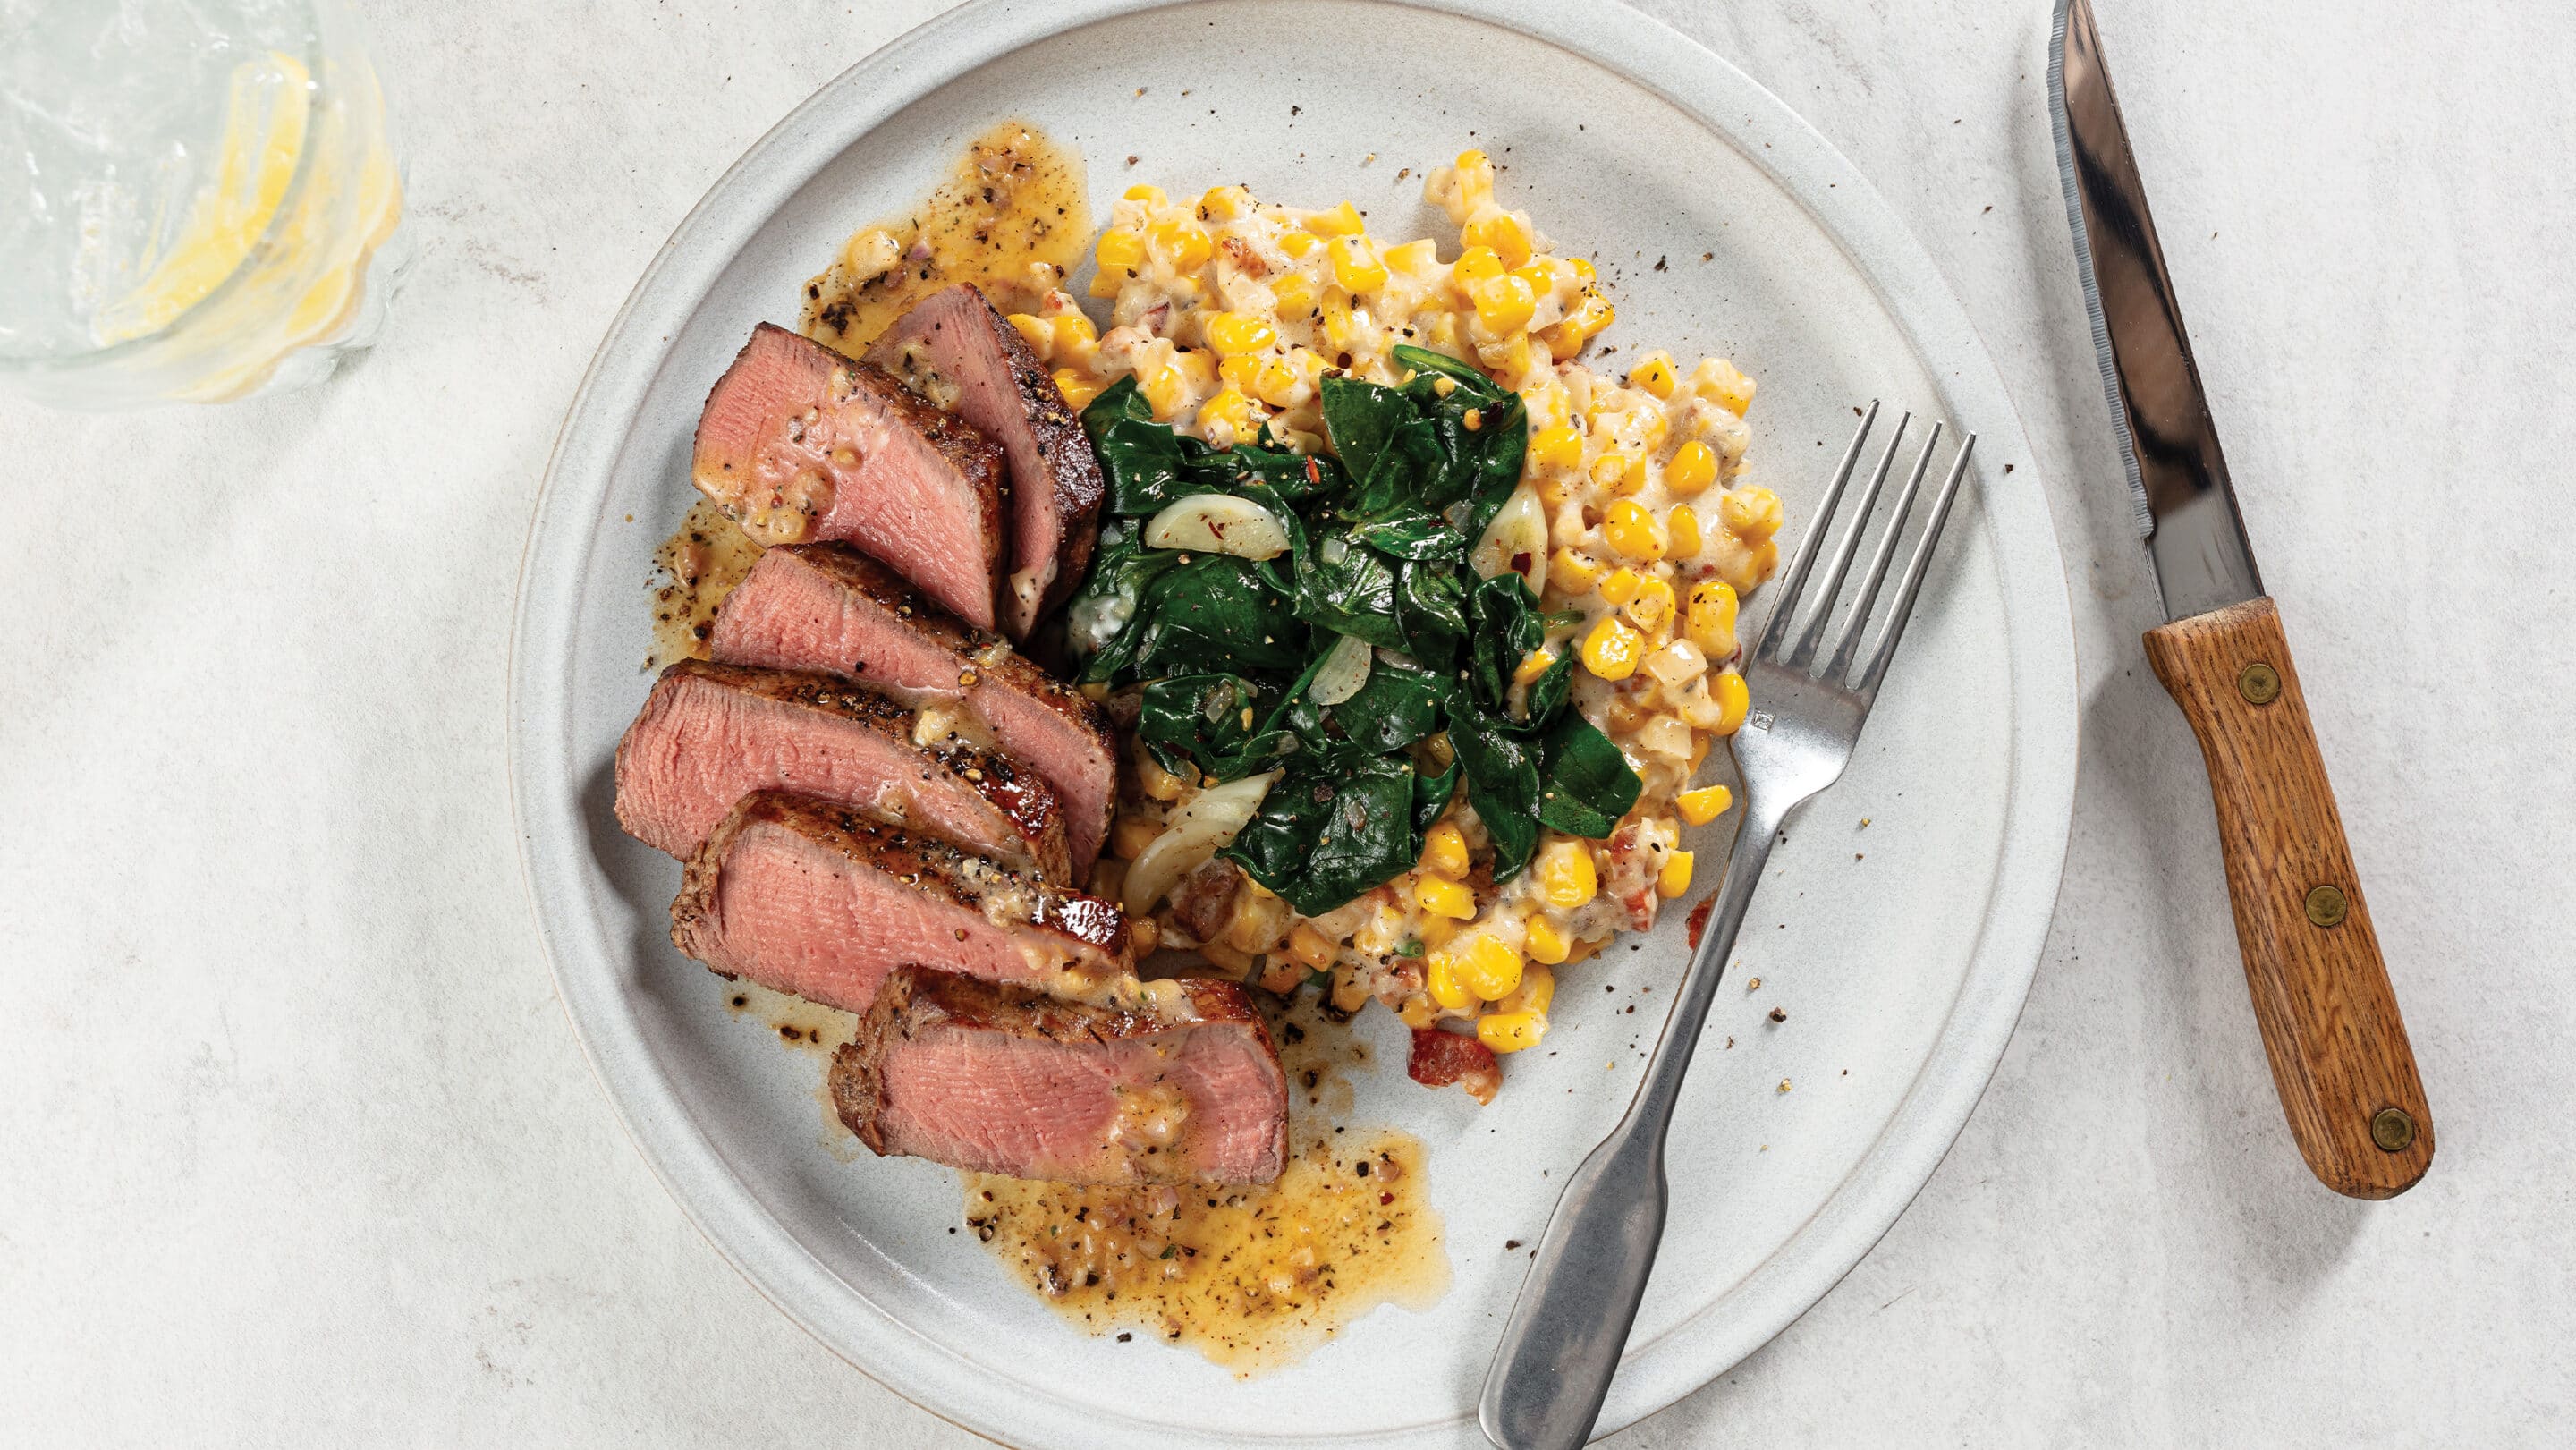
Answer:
(1312, 947)
(1120, 248)
(1681, 528)
(1132, 835)
(1608, 469)
(1437, 931)
(1037, 331)
(1156, 782)
(1511, 1031)
(1184, 244)
(1413, 258)
(1694, 467)
(1534, 664)
(1572, 570)
(1752, 513)
(1546, 942)
(1566, 879)
(1675, 878)
(1732, 701)
(1701, 806)
(1540, 273)
(1589, 316)
(1276, 384)
(1341, 221)
(1490, 967)
(1633, 531)
(1711, 623)
(1297, 244)
(1165, 391)
(1536, 993)
(1557, 447)
(1582, 269)
(1294, 295)
(1504, 303)
(1197, 366)
(1443, 897)
(1224, 203)
(1441, 980)
(1225, 954)
(1655, 375)
(1356, 265)
(1475, 265)
(1726, 387)
(1239, 372)
(1496, 228)
(1621, 586)
(1150, 195)
(1584, 951)
(1444, 850)
(1235, 333)
(1612, 649)
(1651, 608)
(1077, 389)
(1231, 409)
(1418, 1013)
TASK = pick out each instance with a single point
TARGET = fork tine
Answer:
(1914, 572)
(1840, 664)
(1812, 637)
(1785, 593)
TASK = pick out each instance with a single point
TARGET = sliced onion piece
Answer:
(1197, 832)
(1517, 538)
(1218, 523)
(1342, 673)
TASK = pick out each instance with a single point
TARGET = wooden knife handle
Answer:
(2330, 1026)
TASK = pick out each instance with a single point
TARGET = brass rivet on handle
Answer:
(2326, 906)
(2259, 683)
(2392, 1129)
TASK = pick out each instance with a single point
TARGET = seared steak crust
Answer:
(710, 734)
(955, 344)
(828, 608)
(821, 900)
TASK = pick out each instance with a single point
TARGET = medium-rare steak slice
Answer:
(711, 734)
(957, 351)
(826, 608)
(822, 901)
(1183, 1087)
(798, 442)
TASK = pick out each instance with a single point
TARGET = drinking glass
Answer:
(197, 199)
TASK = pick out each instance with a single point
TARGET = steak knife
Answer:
(2329, 1018)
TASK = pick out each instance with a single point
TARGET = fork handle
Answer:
(2330, 1025)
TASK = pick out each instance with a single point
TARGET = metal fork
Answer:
(1562, 1345)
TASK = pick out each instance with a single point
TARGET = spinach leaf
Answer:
(1502, 771)
(1208, 720)
(1480, 466)
(1329, 831)
(1109, 612)
(1430, 613)
(1215, 613)
(1293, 476)
(1585, 784)
(1407, 532)
(1547, 693)
(1121, 399)
(1505, 629)
(1431, 795)
(1398, 705)
(1354, 593)
(1359, 418)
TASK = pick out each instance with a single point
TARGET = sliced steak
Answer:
(826, 608)
(822, 901)
(1184, 1088)
(798, 442)
(956, 350)
(711, 734)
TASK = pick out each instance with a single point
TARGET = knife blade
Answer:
(2337, 1045)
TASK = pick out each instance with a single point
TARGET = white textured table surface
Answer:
(298, 1145)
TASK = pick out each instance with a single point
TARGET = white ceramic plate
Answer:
(1903, 971)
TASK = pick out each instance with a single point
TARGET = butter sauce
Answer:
(1011, 218)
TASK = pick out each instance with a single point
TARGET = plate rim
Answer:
(2039, 650)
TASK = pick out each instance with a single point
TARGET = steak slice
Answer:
(822, 901)
(826, 608)
(711, 734)
(954, 348)
(1184, 1087)
(798, 442)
